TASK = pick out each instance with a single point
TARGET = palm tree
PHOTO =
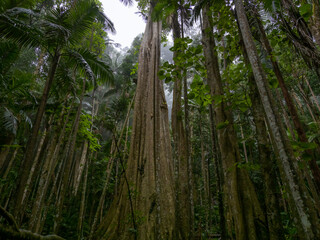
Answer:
(58, 31)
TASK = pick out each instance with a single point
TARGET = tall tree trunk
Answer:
(240, 198)
(28, 158)
(53, 192)
(68, 162)
(179, 150)
(4, 151)
(292, 109)
(305, 217)
(205, 174)
(109, 169)
(82, 164)
(45, 178)
(315, 21)
(82, 203)
(5, 174)
(287, 121)
(149, 167)
(276, 231)
(30, 179)
(219, 175)
(241, 201)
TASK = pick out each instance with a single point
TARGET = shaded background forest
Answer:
(67, 95)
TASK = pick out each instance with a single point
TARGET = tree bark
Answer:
(68, 162)
(292, 109)
(109, 169)
(28, 158)
(243, 207)
(45, 177)
(179, 150)
(149, 167)
(315, 22)
(82, 203)
(219, 175)
(306, 219)
(82, 164)
(271, 191)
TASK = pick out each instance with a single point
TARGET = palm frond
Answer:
(127, 2)
(100, 68)
(18, 11)
(94, 68)
(77, 60)
(9, 4)
(16, 30)
(8, 121)
(108, 24)
(81, 18)
(109, 93)
(26, 118)
(197, 9)
(271, 5)
(64, 82)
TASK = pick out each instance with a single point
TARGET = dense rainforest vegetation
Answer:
(207, 127)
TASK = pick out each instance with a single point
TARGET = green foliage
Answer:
(188, 59)
(305, 10)
(200, 92)
(86, 132)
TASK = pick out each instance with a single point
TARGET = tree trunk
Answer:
(82, 203)
(180, 150)
(149, 200)
(4, 151)
(28, 158)
(82, 164)
(46, 173)
(292, 109)
(35, 165)
(219, 175)
(271, 191)
(306, 219)
(315, 22)
(109, 169)
(243, 207)
(205, 175)
(68, 162)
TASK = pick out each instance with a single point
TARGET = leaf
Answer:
(8, 121)
(304, 145)
(222, 125)
(306, 11)
(191, 95)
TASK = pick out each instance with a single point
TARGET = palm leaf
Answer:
(94, 68)
(127, 2)
(19, 32)
(18, 11)
(8, 121)
(26, 118)
(81, 18)
(101, 69)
